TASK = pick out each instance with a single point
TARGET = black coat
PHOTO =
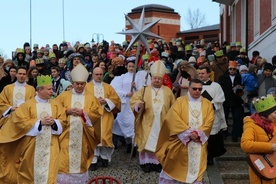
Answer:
(6, 81)
(231, 99)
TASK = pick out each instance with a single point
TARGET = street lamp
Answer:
(63, 27)
(30, 22)
(98, 37)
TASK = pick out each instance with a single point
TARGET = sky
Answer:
(82, 19)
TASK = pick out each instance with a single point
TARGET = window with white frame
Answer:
(233, 17)
(273, 10)
(243, 21)
(256, 17)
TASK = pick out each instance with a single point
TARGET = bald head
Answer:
(97, 74)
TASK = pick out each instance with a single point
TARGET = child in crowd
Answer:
(249, 80)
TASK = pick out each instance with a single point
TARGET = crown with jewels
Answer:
(44, 80)
(264, 103)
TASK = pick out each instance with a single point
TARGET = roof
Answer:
(153, 7)
(205, 28)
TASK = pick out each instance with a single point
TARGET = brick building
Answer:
(253, 22)
(208, 33)
(167, 27)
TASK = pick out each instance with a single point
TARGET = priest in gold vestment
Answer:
(78, 140)
(33, 131)
(110, 103)
(182, 142)
(15, 94)
(11, 97)
(156, 101)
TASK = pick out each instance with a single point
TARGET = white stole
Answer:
(42, 146)
(194, 148)
(75, 135)
(18, 95)
(157, 104)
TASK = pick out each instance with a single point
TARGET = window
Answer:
(273, 11)
(256, 17)
(233, 19)
(243, 21)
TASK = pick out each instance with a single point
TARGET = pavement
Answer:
(128, 170)
(230, 168)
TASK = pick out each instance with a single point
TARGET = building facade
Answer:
(208, 33)
(253, 22)
(167, 27)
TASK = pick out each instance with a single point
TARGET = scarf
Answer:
(263, 123)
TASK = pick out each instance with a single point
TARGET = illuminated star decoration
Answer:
(140, 31)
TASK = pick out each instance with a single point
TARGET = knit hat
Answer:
(192, 59)
(65, 83)
(243, 67)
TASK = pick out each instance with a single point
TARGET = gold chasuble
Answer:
(34, 158)
(78, 139)
(185, 163)
(103, 128)
(14, 95)
(157, 104)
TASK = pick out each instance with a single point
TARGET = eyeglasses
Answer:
(232, 69)
(199, 89)
(98, 74)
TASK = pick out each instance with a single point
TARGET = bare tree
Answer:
(2, 54)
(195, 19)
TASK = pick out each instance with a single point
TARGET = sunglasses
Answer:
(199, 89)
(232, 68)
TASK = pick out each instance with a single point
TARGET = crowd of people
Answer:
(65, 108)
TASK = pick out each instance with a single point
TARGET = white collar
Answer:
(97, 83)
(39, 100)
(193, 99)
(20, 84)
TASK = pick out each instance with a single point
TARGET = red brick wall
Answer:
(265, 15)
(238, 21)
(250, 21)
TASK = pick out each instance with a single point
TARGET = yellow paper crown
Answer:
(44, 80)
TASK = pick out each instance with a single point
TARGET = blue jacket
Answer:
(250, 82)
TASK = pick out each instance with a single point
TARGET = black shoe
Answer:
(93, 167)
(122, 140)
(134, 152)
(105, 162)
(128, 150)
(224, 134)
(210, 162)
(234, 139)
(157, 167)
(146, 168)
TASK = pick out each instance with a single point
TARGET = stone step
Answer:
(233, 169)
(232, 154)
